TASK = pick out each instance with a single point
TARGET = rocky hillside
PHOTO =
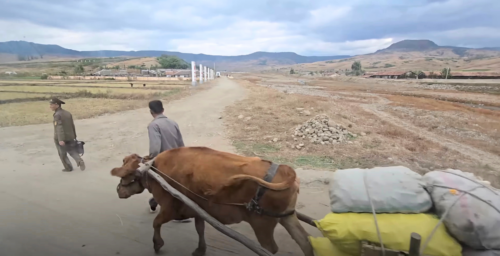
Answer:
(413, 55)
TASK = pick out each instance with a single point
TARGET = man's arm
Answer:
(59, 128)
(73, 124)
(154, 140)
(181, 141)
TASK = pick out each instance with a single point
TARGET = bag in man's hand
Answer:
(79, 147)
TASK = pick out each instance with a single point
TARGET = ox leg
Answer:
(298, 233)
(160, 219)
(200, 229)
(264, 231)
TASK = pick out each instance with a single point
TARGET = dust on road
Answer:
(47, 212)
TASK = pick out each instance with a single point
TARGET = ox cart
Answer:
(368, 249)
(412, 207)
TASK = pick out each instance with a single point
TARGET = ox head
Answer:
(131, 179)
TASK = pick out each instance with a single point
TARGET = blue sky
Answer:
(235, 27)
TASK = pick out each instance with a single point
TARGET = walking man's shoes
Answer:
(82, 165)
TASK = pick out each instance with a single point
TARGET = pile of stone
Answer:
(321, 130)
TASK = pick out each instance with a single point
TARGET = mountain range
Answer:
(406, 52)
(428, 45)
(414, 55)
(23, 48)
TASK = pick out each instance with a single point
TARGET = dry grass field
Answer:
(19, 95)
(24, 102)
(147, 62)
(70, 89)
(393, 123)
(55, 65)
(407, 61)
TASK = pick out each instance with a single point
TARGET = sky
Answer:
(237, 27)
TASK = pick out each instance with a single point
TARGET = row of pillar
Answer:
(206, 73)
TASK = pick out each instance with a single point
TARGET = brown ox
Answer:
(215, 180)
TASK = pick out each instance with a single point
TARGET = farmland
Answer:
(24, 102)
(422, 125)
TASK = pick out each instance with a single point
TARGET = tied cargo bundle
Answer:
(346, 230)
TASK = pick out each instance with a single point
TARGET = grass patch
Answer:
(37, 112)
(82, 105)
(19, 95)
(56, 89)
(319, 162)
(265, 148)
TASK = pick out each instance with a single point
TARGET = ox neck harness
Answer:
(252, 206)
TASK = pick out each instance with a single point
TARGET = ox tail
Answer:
(272, 186)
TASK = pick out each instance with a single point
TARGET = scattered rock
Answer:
(220, 117)
(321, 130)
(299, 109)
(275, 140)
(240, 117)
(248, 118)
(363, 134)
(307, 113)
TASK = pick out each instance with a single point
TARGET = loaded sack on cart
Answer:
(377, 210)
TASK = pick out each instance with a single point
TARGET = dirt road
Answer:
(47, 212)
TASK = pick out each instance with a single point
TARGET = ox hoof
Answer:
(199, 252)
(158, 245)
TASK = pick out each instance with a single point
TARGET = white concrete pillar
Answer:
(201, 74)
(205, 73)
(193, 73)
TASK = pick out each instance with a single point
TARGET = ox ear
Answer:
(130, 165)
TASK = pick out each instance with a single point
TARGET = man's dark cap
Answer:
(55, 100)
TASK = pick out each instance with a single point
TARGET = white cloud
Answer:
(229, 27)
(127, 39)
(247, 37)
(325, 15)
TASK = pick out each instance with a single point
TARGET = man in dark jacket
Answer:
(65, 136)
(164, 134)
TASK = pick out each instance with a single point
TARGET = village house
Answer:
(108, 72)
(390, 74)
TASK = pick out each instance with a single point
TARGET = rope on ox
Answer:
(203, 214)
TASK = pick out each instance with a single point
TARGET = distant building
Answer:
(390, 74)
(183, 73)
(108, 72)
(474, 75)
